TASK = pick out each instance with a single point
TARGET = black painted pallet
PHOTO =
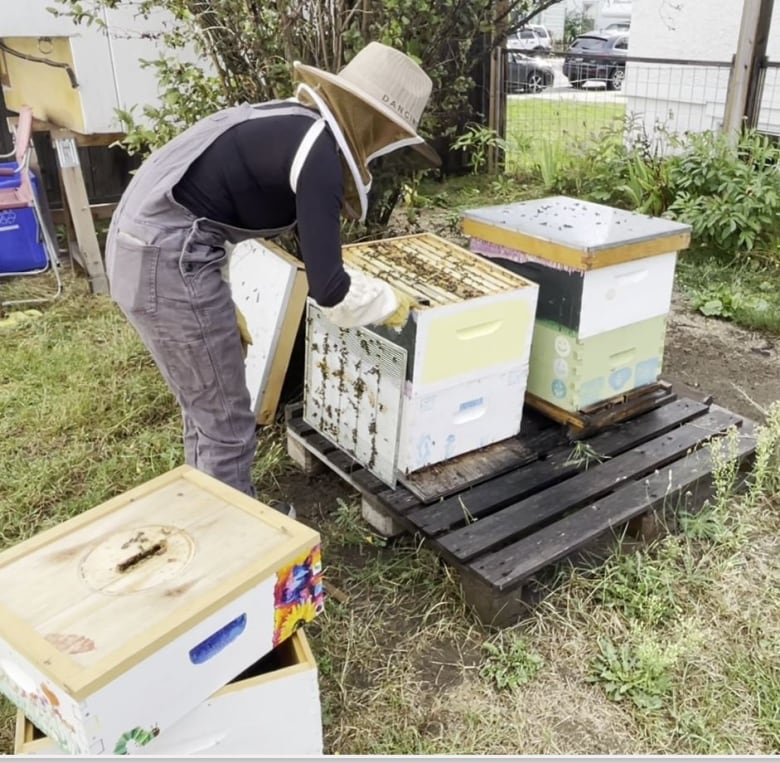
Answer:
(504, 530)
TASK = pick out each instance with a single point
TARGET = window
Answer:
(527, 34)
(621, 44)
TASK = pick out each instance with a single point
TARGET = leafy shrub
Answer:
(729, 193)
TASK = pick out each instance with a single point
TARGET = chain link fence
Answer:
(768, 120)
(660, 97)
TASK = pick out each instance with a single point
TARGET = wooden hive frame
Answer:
(431, 270)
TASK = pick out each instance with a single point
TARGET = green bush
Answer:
(729, 193)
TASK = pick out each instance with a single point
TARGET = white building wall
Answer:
(691, 98)
(554, 18)
(612, 11)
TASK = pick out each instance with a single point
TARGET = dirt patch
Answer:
(738, 368)
(445, 662)
(314, 497)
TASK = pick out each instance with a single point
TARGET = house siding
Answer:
(687, 97)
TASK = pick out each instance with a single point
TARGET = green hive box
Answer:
(573, 373)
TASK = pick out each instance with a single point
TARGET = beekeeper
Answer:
(256, 171)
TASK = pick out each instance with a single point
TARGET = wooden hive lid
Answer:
(577, 234)
(87, 599)
(431, 269)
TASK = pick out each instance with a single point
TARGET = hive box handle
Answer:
(210, 647)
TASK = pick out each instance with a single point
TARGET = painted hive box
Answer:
(573, 373)
(272, 708)
(598, 268)
(269, 287)
(451, 381)
(121, 621)
(605, 287)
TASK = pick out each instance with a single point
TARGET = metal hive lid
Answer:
(573, 232)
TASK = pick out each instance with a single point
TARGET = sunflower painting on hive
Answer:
(298, 594)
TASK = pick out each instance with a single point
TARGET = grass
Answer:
(533, 121)
(670, 648)
(745, 292)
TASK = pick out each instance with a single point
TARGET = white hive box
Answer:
(272, 708)
(269, 286)
(453, 380)
(605, 286)
(598, 268)
(124, 619)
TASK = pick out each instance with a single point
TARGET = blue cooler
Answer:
(21, 239)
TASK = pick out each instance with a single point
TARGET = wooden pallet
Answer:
(597, 417)
(503, 531)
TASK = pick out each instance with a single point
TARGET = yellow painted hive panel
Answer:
(471, 316)
(46, 89)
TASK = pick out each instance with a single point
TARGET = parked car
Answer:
(544, 36)
(527, 74)
(526, 40)
(597, 56)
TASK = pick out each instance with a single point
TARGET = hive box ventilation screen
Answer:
(354, 383)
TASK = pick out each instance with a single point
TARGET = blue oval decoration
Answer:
(558, 389)
(216, 642)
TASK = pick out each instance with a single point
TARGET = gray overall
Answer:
(164, 269)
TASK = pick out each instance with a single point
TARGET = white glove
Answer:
(368, 300)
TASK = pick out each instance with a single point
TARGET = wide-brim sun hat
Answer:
(388, 81)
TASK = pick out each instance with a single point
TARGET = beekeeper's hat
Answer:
(388, 81)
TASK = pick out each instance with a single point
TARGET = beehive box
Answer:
(269, 286)
(104, 66)
(573, 373)
(605, 275)
(124, 619)
(272, 708)
(598, 268)
(452, 380)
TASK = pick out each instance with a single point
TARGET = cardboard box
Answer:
(125, 618)
(272, 708)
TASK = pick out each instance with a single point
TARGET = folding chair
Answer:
(26, 244)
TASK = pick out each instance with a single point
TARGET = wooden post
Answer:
(745, 61)
(758, 67)
(88, 253)
(497, 96)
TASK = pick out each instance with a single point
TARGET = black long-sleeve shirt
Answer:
(243, 179)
